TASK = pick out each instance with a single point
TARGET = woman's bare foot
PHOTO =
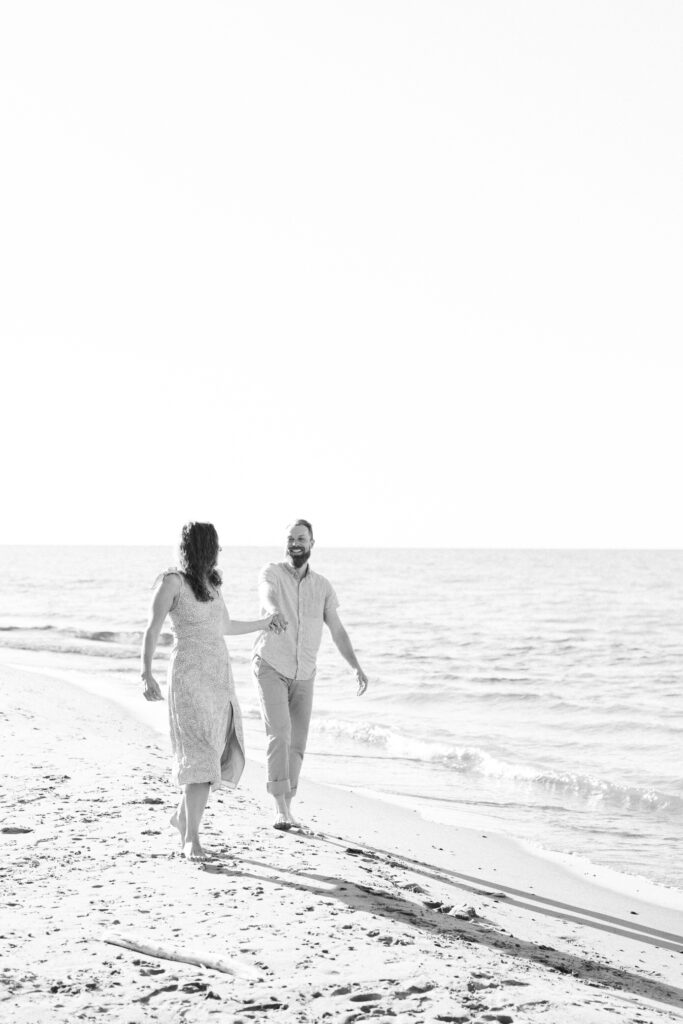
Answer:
(178, 821)
(192, 849)
(175, 821)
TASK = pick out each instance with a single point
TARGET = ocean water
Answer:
(535, 693)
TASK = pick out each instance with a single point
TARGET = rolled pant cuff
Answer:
(278, 787)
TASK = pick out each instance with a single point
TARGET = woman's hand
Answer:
(151, 689)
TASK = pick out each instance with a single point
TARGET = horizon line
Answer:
(357, 547)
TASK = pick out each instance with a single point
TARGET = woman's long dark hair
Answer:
(198, 552)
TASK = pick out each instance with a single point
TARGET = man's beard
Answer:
(299, 559)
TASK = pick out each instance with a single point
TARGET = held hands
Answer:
(276, 623)
(362, 682)
(151, 689)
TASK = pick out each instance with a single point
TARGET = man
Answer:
(285, 660)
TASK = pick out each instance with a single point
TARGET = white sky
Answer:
(411, 270)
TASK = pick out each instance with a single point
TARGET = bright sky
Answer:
(411, 270)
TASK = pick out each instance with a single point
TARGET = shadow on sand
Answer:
(480, 930)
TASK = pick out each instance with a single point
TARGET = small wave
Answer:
(69, 647)
(475, 761)
(104, 636)
(516, 695)
(116, 636)
(37, 629)
(627, 797)
(107, 644)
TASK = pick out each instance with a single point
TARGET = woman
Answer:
(205, 720)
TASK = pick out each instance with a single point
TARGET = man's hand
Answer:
(151, 689)
(362, 682)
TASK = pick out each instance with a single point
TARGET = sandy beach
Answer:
(370, 912)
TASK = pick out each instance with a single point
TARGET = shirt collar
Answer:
(292, 571)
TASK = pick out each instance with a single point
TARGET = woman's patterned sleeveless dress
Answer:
(204, 714)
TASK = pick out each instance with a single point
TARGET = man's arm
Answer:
(267, 592)
(343, 644)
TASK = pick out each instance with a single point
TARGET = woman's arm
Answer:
(161, 606)
(235, 627)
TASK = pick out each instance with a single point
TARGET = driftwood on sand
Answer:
(234, 967)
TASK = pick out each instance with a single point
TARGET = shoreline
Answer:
(575, 866)
(635, 887)
(373, 906)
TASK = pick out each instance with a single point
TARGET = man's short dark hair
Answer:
(303, 522)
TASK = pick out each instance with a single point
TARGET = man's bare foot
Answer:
(193, 851)
(282, 821)
(289, 814)
(293, 821)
